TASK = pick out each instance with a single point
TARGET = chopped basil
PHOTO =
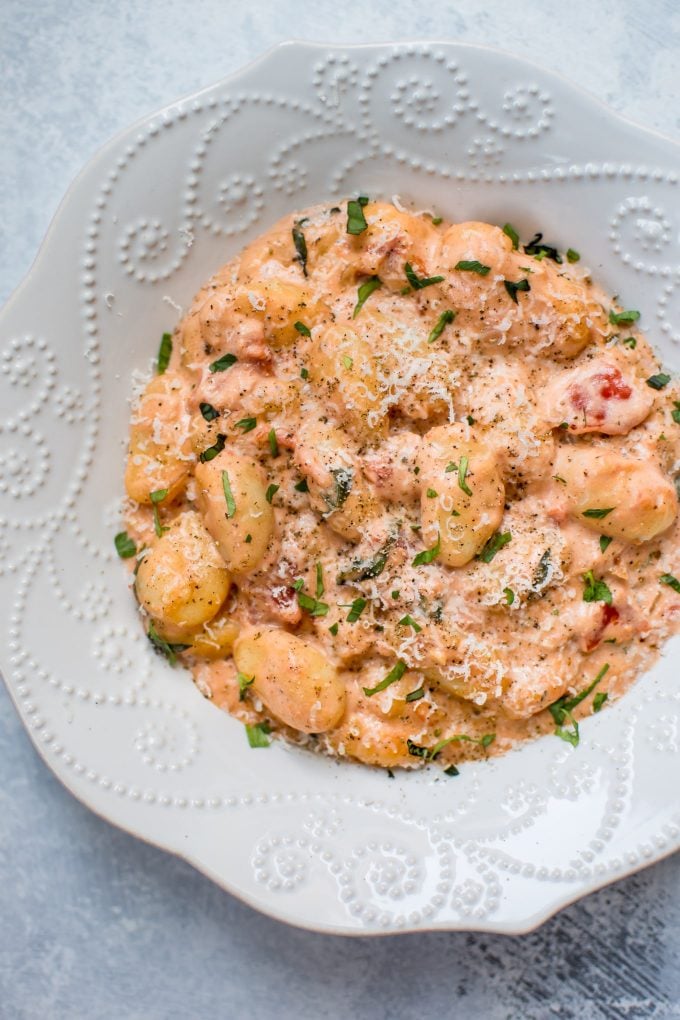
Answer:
(512, 288)
(319, 580)
(165, 647)
(273, 443)
(223, 363)
(364, 292)
(246, 424)
(304, 374)
(344, 479)
(300, 246)
(244, 683)
(573, 255)
(451, 771)
(356, 610)
(473, 267)
(301, 486)
(596, 590)
(347, 361)
(419, 282)
(621, 318)
(436, 220)
(366, 570)
(125, 547)
(157, 497)
(430, 753)
(445, 319)
(542, 570)
(164, 353)
(428, 555)
(271, 492)
(408, 621)
(311, 605)
(561, 710)
(356, 221)
(469, 419)
(598, 514)
(494, 545)
(301, 328)
(675, 413)
(510, 232)
(258, 735)
(509, 595)
(559, 478)
(416, 695)
(208, 411)
(658, 382)
(334, 629)
(396, 673)
(631, 342)
(432, 494)
(212, 451)
(395, 594)
(228, 494)
(599, 700)
(248, 539)
(605, 542)
(462, 475)
(542, 251)
(671, 581)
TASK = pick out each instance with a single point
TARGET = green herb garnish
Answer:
(170, 651)
(311, 605)
(605, 542)
(157, 497)
(658, 382)
(396, 673)
(428, 555)
(510, 232)
(573, 255)
(356, 221)
(304, 374)
(473, 266)
(223, 363)
(164, 353)
(300, 246)
(125, 547)
(273, 443)
(408, 621)
(246, 424)
(462, 475)
(271, 492)
(596, 590)
(631, 342)
(258, 735)
(364, 292)
(621, 318)
(301, 328)
(494, 545)
(301, 486)
(228, 494)
(561, 710)
(599, 700)
(319, 580)
(416, 695)
(213, 450)
(356, 610)
(509, 595)
(513, 288)
(244, 683)
(445, 319)
(671, 581)
(334, 629)
(542, 251)
(598, 514)
(208, 411)
(419, 282)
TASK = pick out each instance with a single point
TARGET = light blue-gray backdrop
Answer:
(96, 925)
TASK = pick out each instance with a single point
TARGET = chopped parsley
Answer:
(248, 539)
(228, 494)
(164, 353)
(208, 411)
(300, 246)
(494, 545)
(631, 342)
(273, 443)
(436, 220)
(125, 547)
(271, 492)
(542, 251)
(416, 695)
(223, 363)
(333, 629)
(513, 288)
(509, 595)
(366, 570)
(671, 581)
(473, 266)
(396, 673)
(658, 382)
(595, 590)
(462, 475)
(419, 282)
(510, 232)
(356, 221)
(244, 683)
(343, 479)
(164, 647)
(319, 580)
(573, 255)
(213, 450)
(428, 555)
(157, 497)
(432, 494)
(561, 710)
(598, 514)
(304, 373)
(258, 735)
(621, 318)
(430, 753)
(408, 621)
(246, 424)
(605, 542)
(599, 700)
(356, 610)
(675, 413)
(445, 319)
(302, 329)
(364, 292)
(309, 604)
(347, 361)
(301, 486)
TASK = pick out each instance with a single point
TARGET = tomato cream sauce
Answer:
(401, 487)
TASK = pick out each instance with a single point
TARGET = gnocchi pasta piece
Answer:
(216, 639)
(343, 371)
(462, 492)
(295, 680)
(279, 304)
(182, 583)
(615, 495)
(392, 239)
(159, 453)
(337, 488)
(597, 397)
(231, 495)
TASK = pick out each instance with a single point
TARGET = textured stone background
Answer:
(96, 925)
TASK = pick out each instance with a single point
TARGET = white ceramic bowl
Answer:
(473, 134)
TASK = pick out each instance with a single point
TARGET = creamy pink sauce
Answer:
(547, 394)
